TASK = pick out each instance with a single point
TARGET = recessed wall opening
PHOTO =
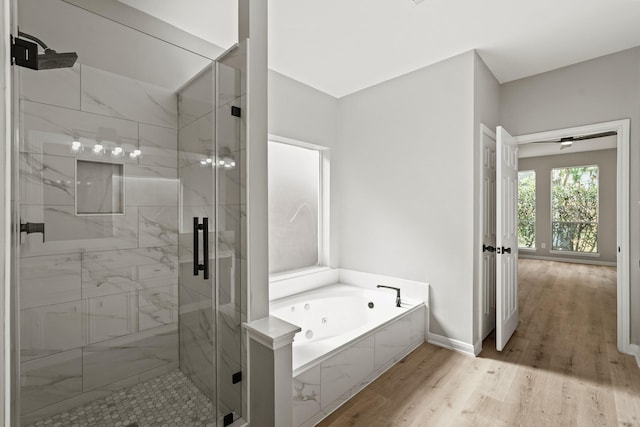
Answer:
(99, 188)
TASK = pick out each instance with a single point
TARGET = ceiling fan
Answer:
(567, 141)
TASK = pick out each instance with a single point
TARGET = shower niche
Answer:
(116, 160)
(99, 188)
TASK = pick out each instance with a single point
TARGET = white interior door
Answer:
(506, 237)
(488, 274)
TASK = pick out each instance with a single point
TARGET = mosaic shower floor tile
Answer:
(169, 400)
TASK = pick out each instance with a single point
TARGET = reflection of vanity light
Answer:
(98, 148)
(227, 162)
(206, 162)
(117, 151)
(135, 153)
(76, 146)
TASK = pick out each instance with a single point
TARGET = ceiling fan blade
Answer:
(576, 138)
(591, 136)
(548, 141)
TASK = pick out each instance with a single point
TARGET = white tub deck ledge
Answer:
(270, 377)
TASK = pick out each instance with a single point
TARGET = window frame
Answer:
(571, 253)
(535, 224)
(323, 209)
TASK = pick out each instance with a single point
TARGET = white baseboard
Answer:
(477, 348)
(634, 350)
(570, 260)
(451, 344)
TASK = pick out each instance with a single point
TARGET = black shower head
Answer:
(51, 59)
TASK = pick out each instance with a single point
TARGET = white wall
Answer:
(486, 108)
(606, 162)
(404, 164)
(603, 89)
(303, 113)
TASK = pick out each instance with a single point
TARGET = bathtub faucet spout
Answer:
(397, 293)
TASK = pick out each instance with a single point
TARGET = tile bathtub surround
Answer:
(99, 296)
(321, 389)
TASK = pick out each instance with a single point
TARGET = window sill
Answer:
(527, 250)
(588, 254)
(286, 275)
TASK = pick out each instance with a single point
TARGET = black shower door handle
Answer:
(33, 227)
(205, 245)
(196, 256)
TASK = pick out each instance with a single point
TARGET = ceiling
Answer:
(340, 47)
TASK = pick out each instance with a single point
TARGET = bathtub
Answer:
(349, 336)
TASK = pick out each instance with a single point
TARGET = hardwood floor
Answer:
(560, 368)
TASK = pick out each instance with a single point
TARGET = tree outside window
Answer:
(574, 207)
(527, 209)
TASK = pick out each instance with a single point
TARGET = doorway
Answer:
(484, 284)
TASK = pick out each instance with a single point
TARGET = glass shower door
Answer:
(231, 227)
(115, 161)
(212, 213)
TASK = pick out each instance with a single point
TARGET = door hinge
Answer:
(236, 377)
(227, 419)
(24, 53)
(236, 111)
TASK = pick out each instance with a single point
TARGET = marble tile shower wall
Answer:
(199, 323)
(98, 295)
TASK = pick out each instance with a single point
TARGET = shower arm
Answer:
(33, 38)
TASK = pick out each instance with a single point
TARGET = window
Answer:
(574, 209)
(295, 207)
(527, 209)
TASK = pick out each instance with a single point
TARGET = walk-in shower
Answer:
(126, 307)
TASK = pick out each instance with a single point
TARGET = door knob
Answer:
(504, 250)
(486, 248)
(33, 227)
